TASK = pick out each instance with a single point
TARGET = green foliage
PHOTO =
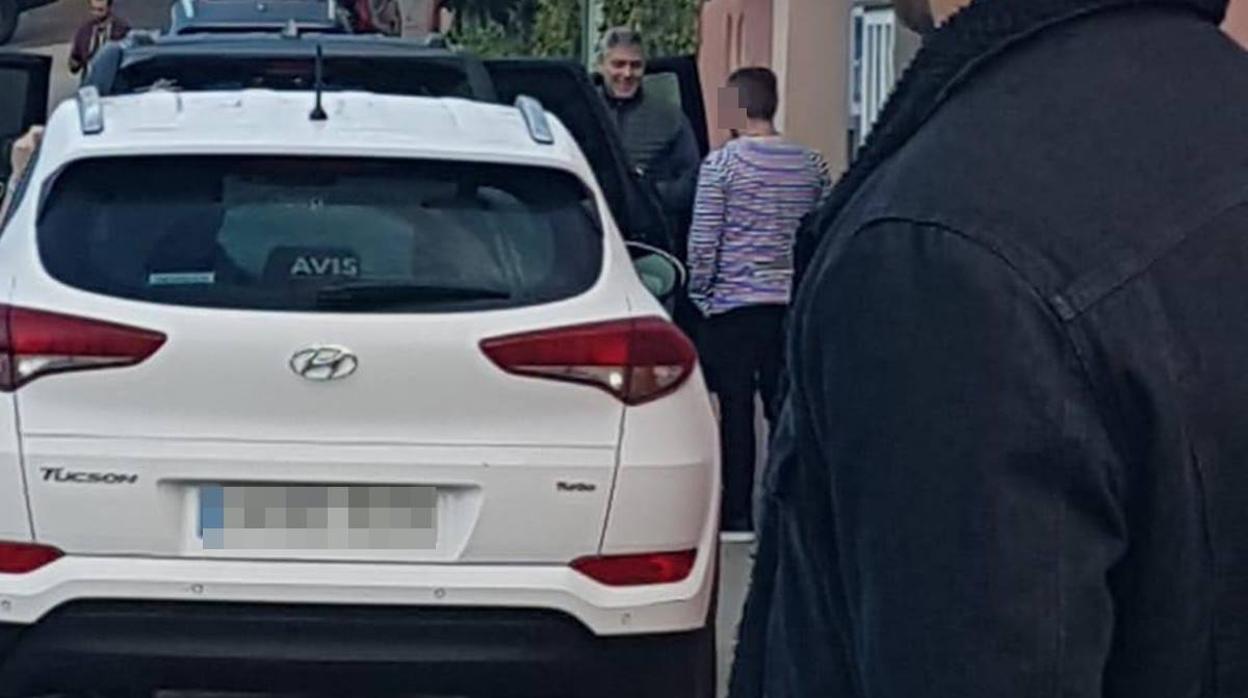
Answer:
(495, 28)
(553, 27)
(498, 10)
(488, 37)
(669, 27)
(557, 28)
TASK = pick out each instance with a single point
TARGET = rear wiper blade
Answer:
(365, 293)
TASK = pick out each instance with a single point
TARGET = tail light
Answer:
(20, 558)
(637, 361)
(36, 343)
(637, 570)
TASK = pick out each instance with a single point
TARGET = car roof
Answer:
(183, 55)
(278, 123)
(140, 45)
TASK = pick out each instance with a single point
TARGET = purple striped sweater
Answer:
(752, 194)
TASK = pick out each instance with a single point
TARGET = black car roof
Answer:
(140, 48)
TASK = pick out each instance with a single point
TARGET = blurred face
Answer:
(732, 115)
(99, 9)
(622, 69)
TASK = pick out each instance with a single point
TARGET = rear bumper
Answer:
(605, 611)
(342, 650)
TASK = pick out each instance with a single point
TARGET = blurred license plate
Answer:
(314, 517)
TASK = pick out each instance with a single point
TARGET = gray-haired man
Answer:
(656, 134)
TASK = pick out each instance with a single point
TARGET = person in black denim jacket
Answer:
(1012, 457)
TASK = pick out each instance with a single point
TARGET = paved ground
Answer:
(735, 574)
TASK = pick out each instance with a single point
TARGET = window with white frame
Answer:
(873, 48)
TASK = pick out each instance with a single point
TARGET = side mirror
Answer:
(660, 272)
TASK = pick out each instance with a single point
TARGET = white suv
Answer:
(374, 404)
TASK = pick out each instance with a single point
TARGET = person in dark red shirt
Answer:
(102, 27)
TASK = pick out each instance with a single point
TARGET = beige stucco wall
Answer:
(779, 52)
(423, 16)
(811, 55)
(1237, 20)
(734, 34)
(805, 42)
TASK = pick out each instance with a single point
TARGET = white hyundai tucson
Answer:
(369, 404)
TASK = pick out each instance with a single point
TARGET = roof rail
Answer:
(535, 118)
(90, 111)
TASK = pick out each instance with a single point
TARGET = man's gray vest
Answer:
(650, 129)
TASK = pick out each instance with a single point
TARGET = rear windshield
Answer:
(312, 234)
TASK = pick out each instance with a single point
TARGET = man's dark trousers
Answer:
(742, 352)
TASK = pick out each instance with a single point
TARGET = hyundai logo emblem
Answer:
(324, 363)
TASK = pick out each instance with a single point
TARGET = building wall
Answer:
(734, 34)
(805, 42)
(417, 16)
(779, 56)
(814, 83)
(423, 16)
(1237, 21)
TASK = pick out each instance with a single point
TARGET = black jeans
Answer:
(742, 351)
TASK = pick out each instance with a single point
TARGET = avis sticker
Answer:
(308, 265)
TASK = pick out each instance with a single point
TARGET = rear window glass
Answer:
(313, 234)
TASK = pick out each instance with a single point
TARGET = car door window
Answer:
(23, 103)
(13, 111)
(676, 79)
(23, 93)
(664, 87)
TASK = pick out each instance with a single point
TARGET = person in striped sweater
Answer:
(752, 194)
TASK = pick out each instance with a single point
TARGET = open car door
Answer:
(565, 90)
(676, 79)
(23, 100)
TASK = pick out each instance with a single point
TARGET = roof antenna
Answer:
(318, 112)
